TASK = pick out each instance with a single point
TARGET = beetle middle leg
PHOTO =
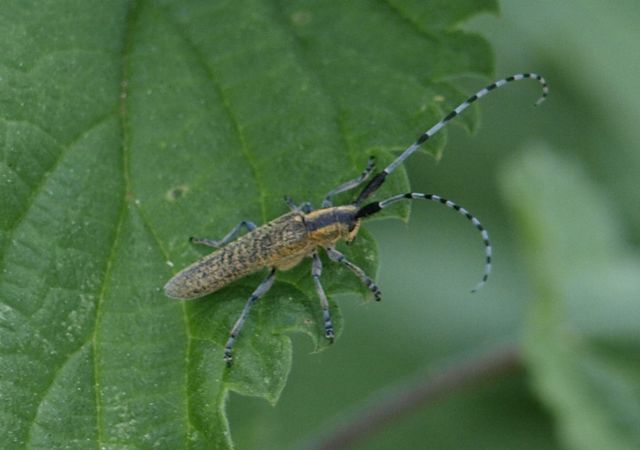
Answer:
(233, 334)
(335, 255)
(228, 238)
(316, 271)
(305, 207)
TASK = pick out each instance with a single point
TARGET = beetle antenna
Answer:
(377, 181)
(373, 208)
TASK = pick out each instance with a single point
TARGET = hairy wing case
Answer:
(263, 247)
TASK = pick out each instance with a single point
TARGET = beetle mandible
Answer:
(282, 243)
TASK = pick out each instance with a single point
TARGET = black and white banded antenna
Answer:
(377, 181)
(373, 208)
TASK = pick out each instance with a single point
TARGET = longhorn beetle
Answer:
(282, 243)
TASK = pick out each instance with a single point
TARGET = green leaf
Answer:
(581, 339)
(128, 127)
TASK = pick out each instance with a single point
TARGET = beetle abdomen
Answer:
(211, 273)
(262, 247)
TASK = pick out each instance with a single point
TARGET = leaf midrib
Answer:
(127, 44)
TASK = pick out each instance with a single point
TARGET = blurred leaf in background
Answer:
(582, 342)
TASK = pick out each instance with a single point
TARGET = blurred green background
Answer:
(586, 132)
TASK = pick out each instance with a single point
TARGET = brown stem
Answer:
(487, 367)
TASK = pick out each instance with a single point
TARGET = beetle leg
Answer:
(316, 271)
(305, 207)
(335, 255)
(233, 334)
(228, 238)
(328, 200)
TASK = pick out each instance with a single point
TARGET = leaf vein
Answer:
(226, 104)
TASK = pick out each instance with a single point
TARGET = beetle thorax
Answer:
(329, 225)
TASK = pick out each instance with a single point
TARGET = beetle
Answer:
(285, 241)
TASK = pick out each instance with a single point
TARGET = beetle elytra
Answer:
(285, 241)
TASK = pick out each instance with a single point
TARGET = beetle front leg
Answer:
(335, 255)
(316, 271)
(328, 200)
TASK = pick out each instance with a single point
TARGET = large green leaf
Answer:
(129, 126)
(581, 339)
